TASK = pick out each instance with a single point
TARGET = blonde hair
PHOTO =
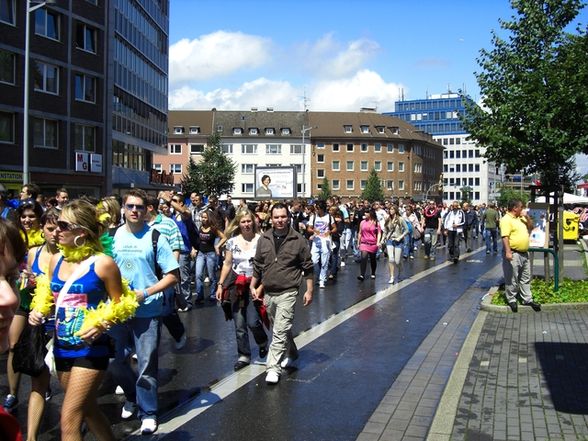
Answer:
(110, 206)
(233, 228)
(84, 214)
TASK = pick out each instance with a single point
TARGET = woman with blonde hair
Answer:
(234, 281)
(85, 289)
(395, 229)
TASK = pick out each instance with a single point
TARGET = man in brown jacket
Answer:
(281, 260)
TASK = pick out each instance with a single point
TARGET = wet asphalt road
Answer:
(340, 378)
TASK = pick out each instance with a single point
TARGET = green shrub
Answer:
(570, 291)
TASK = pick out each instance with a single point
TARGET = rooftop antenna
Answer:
(305, 101)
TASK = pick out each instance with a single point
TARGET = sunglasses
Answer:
(67, 226)
(137, 207)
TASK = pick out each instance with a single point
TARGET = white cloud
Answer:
(364, 89)
(217, 54)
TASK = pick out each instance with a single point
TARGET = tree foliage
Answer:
(214, 174)
(466, 193)
(325, 192)
(373, 189)
(534, 90)
(508, 194)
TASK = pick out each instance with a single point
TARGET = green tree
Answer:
(585, 177)
(534, 92)
(373, 189)
(214, 174)
(508, 194)
(466, 193)
(325, 192)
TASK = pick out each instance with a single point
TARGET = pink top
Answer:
(369, 236)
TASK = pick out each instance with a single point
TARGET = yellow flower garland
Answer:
(77, 254)
(43, 299)
(33, 238)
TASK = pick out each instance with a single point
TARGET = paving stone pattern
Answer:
(527, 380)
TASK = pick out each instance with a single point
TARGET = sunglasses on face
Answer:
(137, 207)
(67, 226)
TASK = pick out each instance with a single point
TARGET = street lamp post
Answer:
(304, 130)
(25, 125)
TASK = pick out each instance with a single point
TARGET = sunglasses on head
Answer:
(67, 226)
(137, 207)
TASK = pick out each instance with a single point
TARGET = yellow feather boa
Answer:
(109, 312)
(77, 254)
(33, 238)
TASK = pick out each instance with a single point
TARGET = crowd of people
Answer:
(103, 276)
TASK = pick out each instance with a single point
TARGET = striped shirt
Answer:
(168, 229)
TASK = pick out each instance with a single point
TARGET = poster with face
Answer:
(540, 233)
(275, 182)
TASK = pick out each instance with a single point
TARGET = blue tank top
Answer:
(85, 292)
(35, 268)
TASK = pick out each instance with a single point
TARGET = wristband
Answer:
(145, 294)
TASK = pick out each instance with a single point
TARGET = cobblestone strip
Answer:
(407, 410)
(527, 379)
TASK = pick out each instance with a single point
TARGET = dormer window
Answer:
(178, 130)
(395, 130)
(269, 131)
(237, 131)
(286, 131)
(219, 128)
(380, 129)
(365, 129)
(194, 130)
(348, 128)
(253, 131)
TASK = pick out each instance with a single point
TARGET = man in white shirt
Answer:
(453, 223)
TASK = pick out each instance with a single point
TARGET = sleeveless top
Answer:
(207, 238)
(86, 292)
(35, 268)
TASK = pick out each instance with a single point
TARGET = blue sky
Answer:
(339, 54)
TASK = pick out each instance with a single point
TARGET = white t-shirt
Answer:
(242, 258)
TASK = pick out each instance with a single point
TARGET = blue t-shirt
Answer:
(133, 253)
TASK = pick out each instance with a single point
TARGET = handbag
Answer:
(30, 350)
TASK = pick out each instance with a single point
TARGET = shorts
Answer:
(95, 363)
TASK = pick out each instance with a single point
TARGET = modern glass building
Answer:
(139, 59)
(465, 170)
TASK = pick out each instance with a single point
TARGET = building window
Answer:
(253, 131)
(348, 129)
(320, 145)
(295, 149)
(45, 133)
(157, 168)
(363, 165)
(237, 130)
(350, 147)
(273, 149)
(401, 166)
(47, 23)
(365, 129)
(380, 129)
(418, 168)
(175, 169)
(377, 147)
(349, 184)
(364, 147)
(350, 165)
(395, 130)
(7, 64)
(7, 127)
(246, 188)
(7, 11)
(390, 185)
(320, 173)
(400, 185)
(298, 167)
(46, 78)
(85, 88)
(400, 148)
(196, 149)
(390, 166)
(390, 148)
(320, 158)
(247, 169)
(85, 138)
(286, 131)
(175, 149)
(86, 38)
(178, 130)
(336, 184)
(194, 130)
(378, 165)
(227, 149)
(269, 131)
(336, 165)
(249, 149)
(336, 148)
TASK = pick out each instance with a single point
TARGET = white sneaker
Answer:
(272, 377)
(148, 426)
(182, 342)
(391, 281)
(119, 390)
(206, 280)
(128, 410)
(287, 362)
(321, 284)
(134, 357)
(342, 264)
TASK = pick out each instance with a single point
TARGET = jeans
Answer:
(280, 310)
(453, 244)
(491, 234)
(208, 260)
(408, 245)
(245, 316)
(346, 243)
(183, 286)
(141, 334)
(334, 263)
(320, 254)
(430, 241)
